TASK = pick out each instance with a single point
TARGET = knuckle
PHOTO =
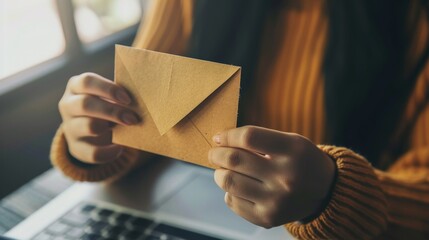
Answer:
(86, 103)
(268, 219)
(64, 105)
(299, 143)
(247, 136)
(73, 81)
(269, 187)
(284, 186)
(86, 80)
(266, 225)
(228, 181)
(61, 105)
(228, 200)
(233, 158)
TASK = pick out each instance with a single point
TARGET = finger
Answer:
(241, 161)
(256, 139)
(86, 126)
(90, 106)
(93, 84)
(100, 140)
(92, 154)
(240, 185)
(242, 207)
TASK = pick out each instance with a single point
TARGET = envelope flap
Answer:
(172, 86)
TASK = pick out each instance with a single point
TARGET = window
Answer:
(96, 19)
(31, 33)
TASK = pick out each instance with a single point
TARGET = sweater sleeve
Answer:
(358, 206)
(406, 189)
(367, 202)
(166, 27)
(79, 171)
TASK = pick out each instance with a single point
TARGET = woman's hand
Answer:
(271, 177)
(90, 106)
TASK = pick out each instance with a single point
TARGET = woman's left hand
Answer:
(271, 177)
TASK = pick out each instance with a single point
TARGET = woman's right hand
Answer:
(90, 107)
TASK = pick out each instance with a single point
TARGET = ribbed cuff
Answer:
(357, 208)
(78, 171)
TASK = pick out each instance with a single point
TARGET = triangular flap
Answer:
(172, 86)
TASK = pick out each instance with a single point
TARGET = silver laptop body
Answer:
(168, 191)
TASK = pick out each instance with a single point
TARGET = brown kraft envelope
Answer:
(182, 101)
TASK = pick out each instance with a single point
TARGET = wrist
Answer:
(80, 171)
(333, 173)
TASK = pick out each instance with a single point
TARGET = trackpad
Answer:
(201, 200)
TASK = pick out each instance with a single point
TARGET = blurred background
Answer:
(42, 44)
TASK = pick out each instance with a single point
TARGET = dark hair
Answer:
(366, 87)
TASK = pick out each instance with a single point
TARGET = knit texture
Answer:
(288, 96)
(358, 207)
(111, 171)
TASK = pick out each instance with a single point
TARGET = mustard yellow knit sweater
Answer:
(366, 202)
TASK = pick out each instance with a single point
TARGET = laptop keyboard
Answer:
(91, 222)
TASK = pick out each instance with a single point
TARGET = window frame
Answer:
(74, 49)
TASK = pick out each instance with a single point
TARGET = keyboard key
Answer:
(9, 218)
(113, 231)
(131, 235)
(43, 236)
(84, 223)
(87, 208)
(75, 233)
(96, 227)
(155, 236)
(58, 228)
(120, 219)
(181, 233)
(139, 223)
(104, 213)
(91, 236)
(76, 220)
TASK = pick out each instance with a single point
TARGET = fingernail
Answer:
(216, 138)
(129, 118)
(123, 97)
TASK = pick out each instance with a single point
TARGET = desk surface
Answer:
(20, 204)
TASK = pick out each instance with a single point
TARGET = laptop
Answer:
(164, 200)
